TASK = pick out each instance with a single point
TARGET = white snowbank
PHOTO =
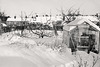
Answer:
(6, 61)
(37, 56)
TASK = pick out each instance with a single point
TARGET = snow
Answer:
(13, 19)
(4, 25)
(4, 51)
(19, 51)
(38, 19)
(88, 58)
(13, 47)
(92, 18)
(15, 62)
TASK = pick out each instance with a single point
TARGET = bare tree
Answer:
(24, 21)
(39, 26)
(67, 17)
(70, 14)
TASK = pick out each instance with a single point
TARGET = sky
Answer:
(14, 7)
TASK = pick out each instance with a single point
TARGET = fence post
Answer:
(0, 27)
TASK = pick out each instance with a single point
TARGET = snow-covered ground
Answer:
(16, 51)
(14, 47)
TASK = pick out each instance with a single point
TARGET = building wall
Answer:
(97, 40)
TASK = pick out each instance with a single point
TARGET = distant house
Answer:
(38, 19)
(16, 21)
(79, 31)
(3, 20)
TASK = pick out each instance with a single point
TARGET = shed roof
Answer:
(77, 22)
(91, 18)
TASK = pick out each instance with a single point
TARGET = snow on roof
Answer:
(77, 22)
(13, 19)
(92, 18)
(3, 24)
(38, 19)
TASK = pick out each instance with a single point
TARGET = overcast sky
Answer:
(14, 7)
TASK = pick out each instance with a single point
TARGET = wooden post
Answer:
(99, 39)
(77, 35)
(68, 39)
(99, 43)
(0, 27)
(68, 36)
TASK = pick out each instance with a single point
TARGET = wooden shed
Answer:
(80, 32)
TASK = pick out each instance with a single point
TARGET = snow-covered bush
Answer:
(87, 60)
